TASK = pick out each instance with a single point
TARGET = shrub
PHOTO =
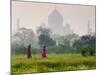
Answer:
(88, 50)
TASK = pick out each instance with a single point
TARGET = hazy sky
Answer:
(32, 14)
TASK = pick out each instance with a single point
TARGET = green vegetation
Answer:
(53, 63)
(64, 53)
(88, 50)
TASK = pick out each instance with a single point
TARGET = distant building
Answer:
(55, 23)
(67, 29)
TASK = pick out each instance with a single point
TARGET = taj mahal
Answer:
(55, 23)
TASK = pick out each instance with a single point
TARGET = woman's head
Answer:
(44, 46)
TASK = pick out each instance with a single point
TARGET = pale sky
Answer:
(32, 14)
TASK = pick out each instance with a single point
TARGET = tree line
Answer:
(72, 43)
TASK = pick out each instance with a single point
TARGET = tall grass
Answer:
(53, 63)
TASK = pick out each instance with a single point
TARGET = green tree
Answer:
(46, 40)
(88, 50)
(21, 39)
(85, 45)
(44, 37)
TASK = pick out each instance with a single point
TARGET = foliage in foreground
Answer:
(53, 63)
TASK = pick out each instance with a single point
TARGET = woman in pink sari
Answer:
(44, 52)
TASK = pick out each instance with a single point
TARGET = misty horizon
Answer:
(32, 15)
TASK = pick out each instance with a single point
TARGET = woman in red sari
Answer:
(44, 52)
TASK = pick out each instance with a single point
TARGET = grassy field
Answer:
(53, 63)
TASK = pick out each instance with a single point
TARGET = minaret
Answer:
(89, 29)
(18, 24)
